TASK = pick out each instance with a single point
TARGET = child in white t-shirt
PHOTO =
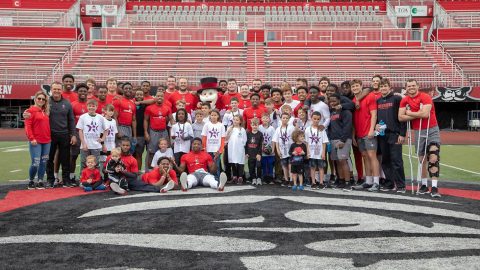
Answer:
(228, 117)
(111, 127)
(268, 154)
(163, 151)
(180, 105)
(237, 138)
(91, 130)
(282, 140)
(213, 138)
(317, 141)
(197, 126)
(181, 135)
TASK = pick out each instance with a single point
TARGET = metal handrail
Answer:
(448, 59)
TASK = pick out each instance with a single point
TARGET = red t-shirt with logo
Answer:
(129, 161)
(154, 175)
(88, 173)
(79, 108)
(126, 110)
(244, 103)
(225, 99)
(190, 100)
(158, 115)
(414, 103)
(362, 116)
(70, 96)
(100, 106)
(195, 161)
(250, 113)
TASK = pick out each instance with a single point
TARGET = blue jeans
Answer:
(39, 156)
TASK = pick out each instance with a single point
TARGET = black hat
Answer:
(208, 83)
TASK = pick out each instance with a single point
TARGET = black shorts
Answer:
(297, 168)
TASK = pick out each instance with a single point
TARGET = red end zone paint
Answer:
(21, 198)
(462, 193)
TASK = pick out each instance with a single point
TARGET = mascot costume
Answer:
(209, 92)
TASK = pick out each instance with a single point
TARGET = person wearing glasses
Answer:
(37, 129)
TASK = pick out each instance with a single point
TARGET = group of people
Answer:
(258, 134)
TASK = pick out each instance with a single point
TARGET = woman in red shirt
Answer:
(37, 128)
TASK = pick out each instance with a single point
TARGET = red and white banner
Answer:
(109, 10)
(93, 10)
(18, 91)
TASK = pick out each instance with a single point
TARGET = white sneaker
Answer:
(254, 182)
(117, 189)
(223, 180)
(183, 181)
(169, 186)
(259, 181)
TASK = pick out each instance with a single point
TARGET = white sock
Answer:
(55, 175)
(434, 183)
(369, 180)
(376, 180)
(72, 175)
(424, 181)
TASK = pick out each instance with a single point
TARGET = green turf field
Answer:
(459, 162)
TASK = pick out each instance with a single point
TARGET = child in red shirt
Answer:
(90, 177)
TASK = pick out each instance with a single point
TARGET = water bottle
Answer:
(382, 128)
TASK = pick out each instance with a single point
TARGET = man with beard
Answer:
(183, 94)
(265, 92)
(244, 101)
(222, 84)
(256, 83)
(200, 168)
(79, 107)
(155, 122)
(68, 93)
(392, 139)
(125, 111)
(101, 99)
(171, 87)
(301, 97)
(322, 85)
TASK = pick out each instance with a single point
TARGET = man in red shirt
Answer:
(111, 90)
(418, 108)
(79, 107)
(276, 95)
(301, 96)
(255, 111)
(199, 165)
(68, 82)
(161, 179)
(183, 94)
(171, 87)
(256, 84)
(155, 123)
(131, 166)
(102, 99)
(232, 91)
(364, 120)
(125, 111)
(244, 101)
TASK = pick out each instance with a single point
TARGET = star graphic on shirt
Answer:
(110, 131)
(266, 138)
(214, 133)
(92, 127)
(180, 133)
(314, 139)
(284, 138)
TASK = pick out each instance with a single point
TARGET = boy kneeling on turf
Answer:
(90, 177)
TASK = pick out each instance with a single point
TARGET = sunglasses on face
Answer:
(40, 99)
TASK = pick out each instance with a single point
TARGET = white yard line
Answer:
(16, 171)
(450, 166)
(15, 146)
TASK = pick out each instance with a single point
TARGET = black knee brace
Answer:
(433, 158)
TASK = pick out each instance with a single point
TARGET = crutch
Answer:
(420, 163)
(409, 140)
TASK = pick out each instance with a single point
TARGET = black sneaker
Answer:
(401, 190)
(341, 184)
(313, 186)
(423, 190)
(40, 185)
(360, 181)
(31, 185)
(387, 188)
(362, 186)
(336, 183)
(284, 183)
(382, 181)
(321, 186)
(348, 186)
(352, 181)
(74, 183)
(434, 193)
(290, 184)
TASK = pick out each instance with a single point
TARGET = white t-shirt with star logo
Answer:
(179, 131)
(214, 134)
(283, 136)
(267, 138)
(315, 140)
(111, 126)
(93, 127)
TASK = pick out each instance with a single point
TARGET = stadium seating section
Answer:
(274, 40)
